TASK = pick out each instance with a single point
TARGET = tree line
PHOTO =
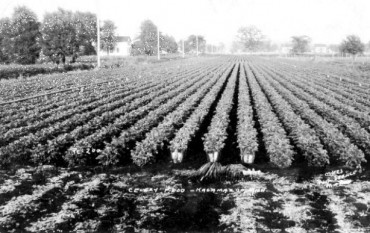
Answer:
(351, 45)
(147, 43)
(66, 34)
(251, 39)
(61, 34)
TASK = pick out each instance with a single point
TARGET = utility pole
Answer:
(183, 48)
(98, 35)
(158, 51)
(197, 46)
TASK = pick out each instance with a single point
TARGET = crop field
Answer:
(116, 150)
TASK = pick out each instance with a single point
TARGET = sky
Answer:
(325, 21)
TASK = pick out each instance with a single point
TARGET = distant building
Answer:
(286, 49)
(123, 47)
(321, 49)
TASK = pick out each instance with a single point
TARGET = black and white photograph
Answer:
(184, 116)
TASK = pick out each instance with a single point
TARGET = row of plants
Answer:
(56, 148)
(10, 72)
(92, 106)
(23, 88)
(275, 139)
(48, 108)
(358, 135)
(93, 143)
(60, 99)
(327, 71)
(23, 146)
(329, 76)
(347, 75)
(20, 118)
(350, 99)
(118, 148)
(179, 144)
(30, 121)
(246, 133)
(44, 102)
(100, 94)
(80, 82)
(146, 151)
(341, 92)
(358, 98)
(339, 146)
(362, 117)
(302, 134)
(356, 90)
(214, 139)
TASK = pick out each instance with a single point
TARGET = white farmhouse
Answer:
(123, 47)
(321, 49)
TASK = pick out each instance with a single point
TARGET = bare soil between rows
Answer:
(162, 198)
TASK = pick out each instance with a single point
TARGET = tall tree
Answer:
(137, 48)
(251, 37)
(352, 45)
(191, 44)
(148, 37)
(108, 36)
(168, 44)
(85, 24)
(19, 37)
(147, 41)
(300, 44)
(25, 35)
(65, 33)
(6, 48)
(58, 35)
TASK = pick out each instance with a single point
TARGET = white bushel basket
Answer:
(248, 158)
(180, 156)
(177, 156)
(213, 157)
(174, 156)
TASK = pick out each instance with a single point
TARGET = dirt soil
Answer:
(162, 198)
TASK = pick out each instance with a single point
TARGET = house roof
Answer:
(123, 39)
